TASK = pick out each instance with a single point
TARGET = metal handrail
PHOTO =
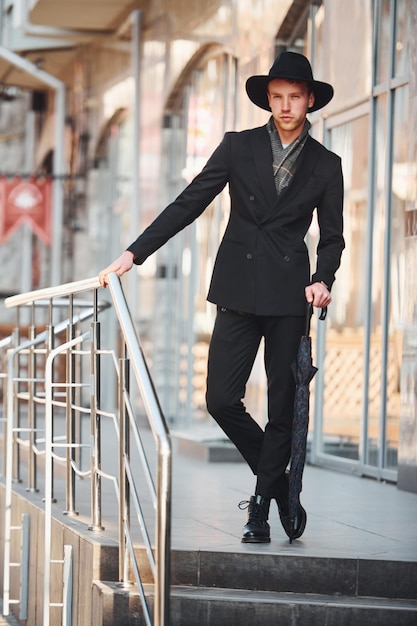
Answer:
(161, 433)
(52, 292)
(125, 423)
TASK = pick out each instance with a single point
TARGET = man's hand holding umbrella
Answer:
(318, 295)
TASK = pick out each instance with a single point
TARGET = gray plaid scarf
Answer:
(285, 158)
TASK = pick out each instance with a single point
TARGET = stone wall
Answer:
(93, 559)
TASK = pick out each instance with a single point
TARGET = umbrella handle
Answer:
(309, 313)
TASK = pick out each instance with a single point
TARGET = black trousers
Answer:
(233, 348)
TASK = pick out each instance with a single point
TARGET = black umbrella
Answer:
(304, 371)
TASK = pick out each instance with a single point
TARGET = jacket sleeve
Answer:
(330, 219)
(187, 206)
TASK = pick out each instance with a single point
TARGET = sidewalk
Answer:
(348, 516)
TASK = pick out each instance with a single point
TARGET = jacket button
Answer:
(286, 259)
(249, 256)
(251, 198)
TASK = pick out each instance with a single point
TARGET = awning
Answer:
(55, 21)
(109, 16)
(53, 61)
(91, 15)
(53, 29)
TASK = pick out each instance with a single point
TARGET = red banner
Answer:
(25, 201)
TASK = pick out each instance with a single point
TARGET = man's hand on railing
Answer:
(119, 266)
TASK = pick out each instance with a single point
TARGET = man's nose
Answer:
(286, 104)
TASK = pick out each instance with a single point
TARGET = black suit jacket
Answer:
(262, 265)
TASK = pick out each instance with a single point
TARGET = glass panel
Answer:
(343, 368)
(382, 44)
(182, 267)
(318, 59)
(378, 263)
(402, 37)
(400, 195)
(208, 108)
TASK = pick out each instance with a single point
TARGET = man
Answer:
(277, 175)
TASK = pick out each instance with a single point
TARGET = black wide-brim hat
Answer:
(289, 66)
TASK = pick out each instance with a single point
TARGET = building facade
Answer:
(150, 88)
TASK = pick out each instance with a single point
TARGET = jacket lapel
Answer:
(303, 171)
(262, 154)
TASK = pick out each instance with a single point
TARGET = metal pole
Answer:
(70, 417)
(16, 405)
(26, 232)
(163, 536)
(368, 274)
(95, 424)
(58, 188)
(386, 284)
(124, 452)
(31, 404)
(9, 479)
(135, 205)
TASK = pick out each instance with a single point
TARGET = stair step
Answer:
(293, 573)
(236, 607)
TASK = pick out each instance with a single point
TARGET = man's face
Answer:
(289, 102)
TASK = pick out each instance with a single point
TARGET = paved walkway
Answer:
(348, 516)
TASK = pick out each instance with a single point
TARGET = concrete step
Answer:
(204, 606)
(290, 573)
(211, 588)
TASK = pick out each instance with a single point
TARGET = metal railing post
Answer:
(4, 422)
(50, 346)
(31, 405)
(124, 490)
(70, 418)
(15, 410)
(95, 427)
(163, 537)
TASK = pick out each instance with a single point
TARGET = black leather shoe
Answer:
(294, 528)
(256, 529)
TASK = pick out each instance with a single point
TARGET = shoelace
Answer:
(256, 512)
